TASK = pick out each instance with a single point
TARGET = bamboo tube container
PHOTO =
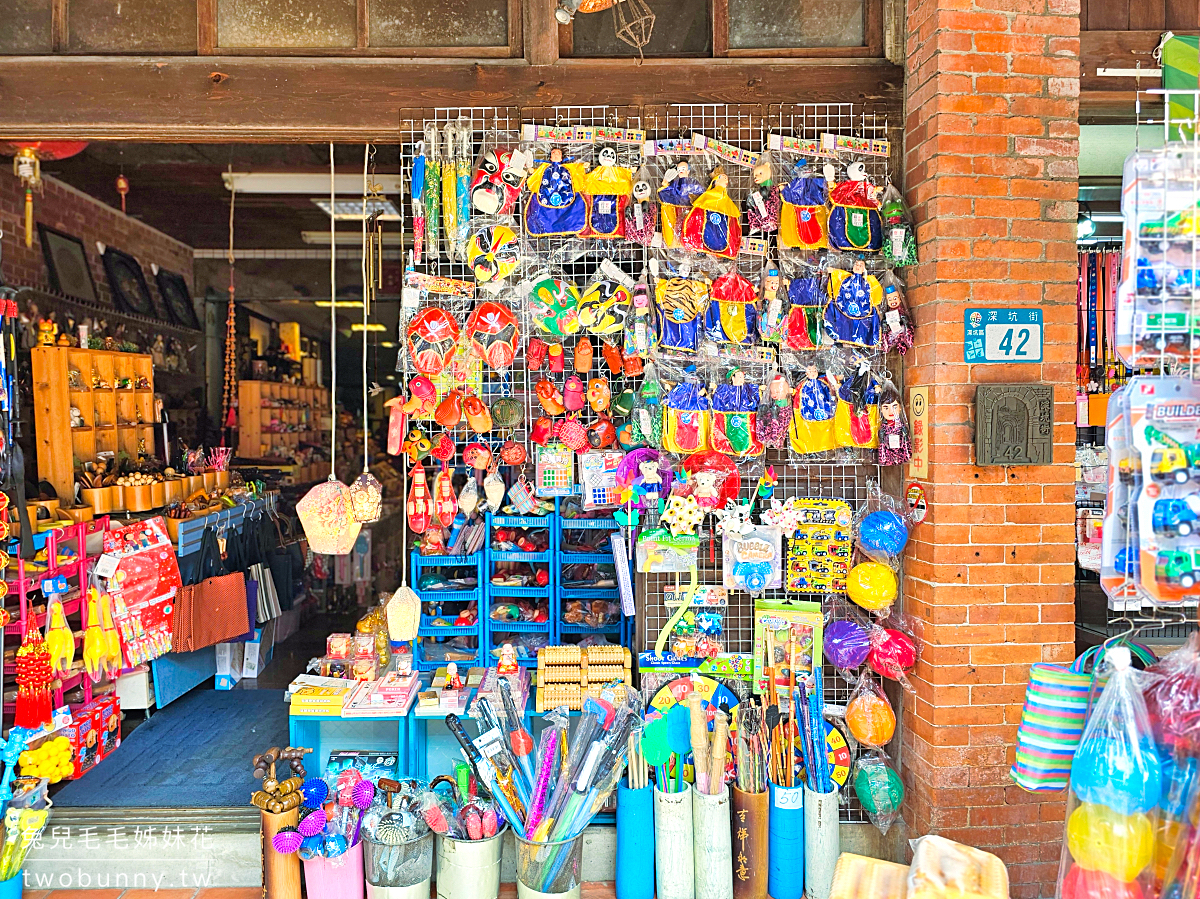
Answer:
(281, 873)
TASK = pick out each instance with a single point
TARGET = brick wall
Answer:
(68, 210)
(991, 174)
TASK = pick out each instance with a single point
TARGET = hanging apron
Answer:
(803, 330)
(854, 221)
(813, 407)
(734, 420)
(732, 315)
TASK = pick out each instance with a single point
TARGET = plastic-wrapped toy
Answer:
(854, 221)
(607, 187)
(893, 654)
(639, 333)
(845, 644)
(712, 479)
(853, 314)
(494, 333)
(856, 419)
(646, 416)
(802, 327)
(734, 415)
(647, 476)
(872, 586)
(554, 306)
(899, 240)
(492, 253)
(879, 789)
(898, 330)
(752, 558)
(681, 304)
(763, 201)
(687, 418)
(804, 217)
(432, 336)
(605, 306)
(555, 206)
(713, 224)
(813, 405)
(771, 320)
(895, 444)
(869, 715)
(775, 413)
(882, 527)
(732, 314)
(675, 195)
(641, 215)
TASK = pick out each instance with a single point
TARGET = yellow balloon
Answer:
(872, 586)
(1103, 840)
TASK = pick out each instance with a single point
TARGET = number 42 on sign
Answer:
(1002, 335)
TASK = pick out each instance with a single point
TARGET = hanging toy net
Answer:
(633, 22)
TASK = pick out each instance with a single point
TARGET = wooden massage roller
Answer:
(278, 796)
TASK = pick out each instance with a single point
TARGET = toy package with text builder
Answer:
(1164, 417)
(1120, 562)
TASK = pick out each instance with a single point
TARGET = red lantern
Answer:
(27, 158)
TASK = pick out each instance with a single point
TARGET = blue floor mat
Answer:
(196, 753)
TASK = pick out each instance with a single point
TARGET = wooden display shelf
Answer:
(260, 403)
(111, 415)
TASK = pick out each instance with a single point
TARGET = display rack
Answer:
(494, 592)
(115, 420)
(296, 411)
(614, 632)
(459, 599)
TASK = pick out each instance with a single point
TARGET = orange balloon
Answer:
(871, 719)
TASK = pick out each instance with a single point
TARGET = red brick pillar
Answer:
(991, 140)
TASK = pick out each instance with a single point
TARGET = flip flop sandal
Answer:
(445, 506)
(417, 507)
(478, 416)
(612, 357)
(449, 410)
(583, 356)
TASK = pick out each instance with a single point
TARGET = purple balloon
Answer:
(846, 644)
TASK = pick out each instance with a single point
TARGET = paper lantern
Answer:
(366, 499)
(403, 615)
(325, 515)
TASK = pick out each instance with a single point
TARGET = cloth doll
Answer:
(813, 405)
(641, 214)
(898, 330)
(607, 186)
(735, 409)
(802, 329)
(732, 314)
(555, 206)
(853, 314)
(763, 202)
(775, 413)
(895, 445)
(856, 420)
(803, 217)
(713, 224)
(675, 196)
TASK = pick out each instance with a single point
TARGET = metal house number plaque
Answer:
(1014, 424)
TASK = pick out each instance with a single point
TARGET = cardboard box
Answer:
(258, 651)
(230, 663)
(110, 724)
(85, 742)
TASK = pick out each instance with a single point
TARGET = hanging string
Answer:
(332, 315)
(228, 416)
(368, 278)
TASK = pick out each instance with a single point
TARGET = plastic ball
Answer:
(312, 821)
(287, 840)
(312, 847)
(1125, 776)
(892, 654)
(883, 533)
(846, 644)
(362, 794)
(870, 719)
(1100, 839)
(879, 789)
(314, 791)
(872, 585)
(1080, 883)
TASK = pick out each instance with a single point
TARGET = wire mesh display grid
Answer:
(742, 126)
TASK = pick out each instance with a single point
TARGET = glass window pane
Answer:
(762, 24)
(286, 23)
(681, 28)
(26, 27)
(149, 26)
(448, 23)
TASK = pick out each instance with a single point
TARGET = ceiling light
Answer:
(304, 183)
(341, 304)
(348, 238)
(1085, 227)
(372, 326)
(352, 210)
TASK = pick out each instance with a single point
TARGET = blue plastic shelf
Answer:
(523, 521)
(569, 558)
(474, 593)
(419, 561)
(587, 629)
(589, 592)
(519, 627)
(506, 556)
(533, 592)
(607, 524)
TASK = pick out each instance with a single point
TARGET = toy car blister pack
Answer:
(818, 554)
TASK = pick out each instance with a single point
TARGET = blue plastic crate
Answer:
(587, 629)
(474, 593)
(589, 592)
(523, 521)
(505, 556)
(570, 558)
(518, 627)
(607, 524)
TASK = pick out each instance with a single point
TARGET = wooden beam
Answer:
(718, 14)
(206, 27)
(541, 32)
(1117, 50)
(232, 99)
(60, 35)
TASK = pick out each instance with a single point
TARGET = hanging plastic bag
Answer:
(856, 419)
(734, 416)
(854, 220)
(899, 238)
(893, 654)
(556, 206)
(772, 320)
(763, 201)
(814, 402)
(1116, 783)
(804, 217)
(676, 192)
(895, 443)
(687, 419)
(732, 314)
(898, 330)
(853, 315)
(774, 412)
(680, 304)
(641, 215)
(879, 789)
(869, 715)
(607, 187)
(882, 526)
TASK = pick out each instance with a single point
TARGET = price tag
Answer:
(789, 799)
(756, 199)
(604, 207)
(410, 297)
(894, 441)
(893, 320)
(638, 217)
(106, 565)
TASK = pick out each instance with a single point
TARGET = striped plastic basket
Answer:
(1056, 709)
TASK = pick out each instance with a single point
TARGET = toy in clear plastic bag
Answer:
(872, 586)
(734, 416)
(854, 313)
(893, 654)
(804, 216)
(554, 306)
(713, 223)
(854, 220)
(646, 417)
(641, 215)
(732, 313)
(803, 326)
(846, 644)
(676, 192)
(869, 715)
(680, 305)
(856, 419)
(556, 205)
(499, 174)
(881, 527)
(752, 558)
(775, 412)
(687, 418)
(607, 187)
(898, 330)
(773, 315)
(899, 236)
(763, 201)
(814, 402)
(1120, 563)
(895, 443)
(1116, 782)
(1172, 697)
(639, 329)
(879, 789)
(645, 476)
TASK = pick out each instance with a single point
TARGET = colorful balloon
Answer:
(1080, 883)
(872, 585)
(1101, 839)
(871, 719)
(883, 533)
(845, 644)
(892, 653)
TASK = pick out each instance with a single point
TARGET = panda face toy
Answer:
(607, 156)
(641, 191)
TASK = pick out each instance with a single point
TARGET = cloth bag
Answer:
(211, 607)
